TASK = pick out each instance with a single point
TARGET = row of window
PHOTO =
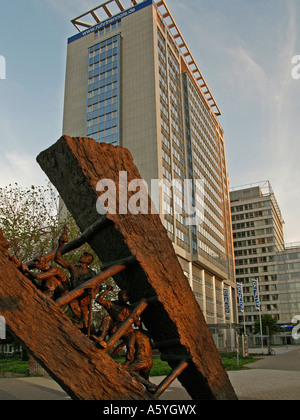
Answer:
(254, 251)
(257, 223)
(108, 29)
(103, 89)
(170, 82)
(251, 215)
(250, 206)
(102, 119)
(255, 270)
(105, 107)
(288, 256)
(198, 104)
(102, 126)
(211, 239)
(103, 47)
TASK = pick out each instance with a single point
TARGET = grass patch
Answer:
(160, 368)
(13, 365)
(230, 361)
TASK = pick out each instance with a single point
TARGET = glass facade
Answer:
(204, 163)
(103, 91)
(190, 150)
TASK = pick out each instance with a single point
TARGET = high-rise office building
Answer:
(132, 81)
(261, 254)
(288, 283)
(258, 235)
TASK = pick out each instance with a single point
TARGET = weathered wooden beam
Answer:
(177, 315)
(123, 261)
(58, 346)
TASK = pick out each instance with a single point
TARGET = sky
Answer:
(244, 49)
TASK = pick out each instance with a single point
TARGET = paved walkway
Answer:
(270, 378)
(44, 388)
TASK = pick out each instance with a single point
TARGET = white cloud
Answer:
(247, 74)
(21, 169)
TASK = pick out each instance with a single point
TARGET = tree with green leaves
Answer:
(269, 325)
(32, 222)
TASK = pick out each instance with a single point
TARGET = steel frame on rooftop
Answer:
(78, 23)
(188, 57)
(266, 190)
(173, 29)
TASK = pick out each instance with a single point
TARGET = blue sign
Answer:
(226, 301)
(256, 294)
(239, 287)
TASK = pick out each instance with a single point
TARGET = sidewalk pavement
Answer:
(44, 388)
(270, 378)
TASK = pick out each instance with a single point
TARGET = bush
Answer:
(13, 365)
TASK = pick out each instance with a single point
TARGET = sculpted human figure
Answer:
(117, 311)
(139, 356)
(49, 281)
(79, 274)
(51, 278)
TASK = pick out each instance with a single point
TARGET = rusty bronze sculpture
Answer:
(137, 253)
(79, 274)
(39, 324)
(52, 280)
(139, 356)
(49, 282)
(117, 311)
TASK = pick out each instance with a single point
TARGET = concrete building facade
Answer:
(261, 253)
(288, 290)
(132, 81)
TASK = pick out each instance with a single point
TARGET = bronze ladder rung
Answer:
(137, 311)
(142, 305)
(171, 378)
(95, 282)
